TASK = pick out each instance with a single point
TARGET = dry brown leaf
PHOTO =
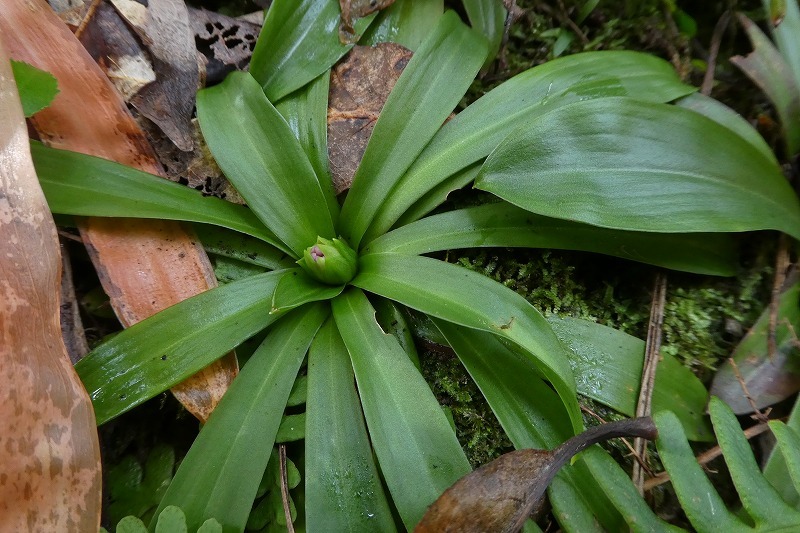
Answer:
(227, 43)
(164, 29)
(359, 88)
(117, 51)
(500, 495)
(355, 9)
(49, 453)
(131, 256)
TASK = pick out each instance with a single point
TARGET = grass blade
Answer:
(154, 354)
(258, 152)
(469, 299)
(343, 489)
(220, 475)
(78, 184)
(297, 43)
(417, 449)
(427, 91)
(482, 126)
(505, 225)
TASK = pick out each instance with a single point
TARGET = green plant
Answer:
(582, 153)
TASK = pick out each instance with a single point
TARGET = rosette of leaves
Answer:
(582, 153)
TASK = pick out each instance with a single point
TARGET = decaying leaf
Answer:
(144, 265)
(72, 12)
(169, 101)
(359, 88)
(49, 453)
(500, 495)
(767, 380)
(117, 51)
(227, 43)
(355, 9)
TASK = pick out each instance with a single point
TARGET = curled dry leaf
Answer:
(227, 43)
(144, 265)
(499, 496)
(359, 88)
(164, 29)
(49, 453)
(116, 50)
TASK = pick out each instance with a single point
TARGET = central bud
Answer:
(330, 261)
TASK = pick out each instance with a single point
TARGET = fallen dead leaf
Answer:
(359, 88)
(131, 256)
(500, 495)
(49, 453)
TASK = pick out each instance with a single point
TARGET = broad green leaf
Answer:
(78, 184)
(789, 445)
(296, 288)
(292, 428)
(787, 32)
(531, 415)
(343, 490)
(306, 112)
(234, 245)
(769, 70)
(219, 477)
(571, 509)
(758, 497)
(131, 524)
(171, 520)
(260, 155)
(725, 116)
(640, 166)
(36, 87)
(467, 298)
(607, 364)
(405, 22)
(477, 130)
(427, 91)
(700, 501)
(618, 487)
(505, 225)
(489, 18)
(776, 470)
(298, 42)
(417, 449)
(769, 378)
(162, 350)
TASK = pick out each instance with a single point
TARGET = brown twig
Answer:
(87, 18)
(287, 510)
(624, 441)
(705, 457)
(757, 414)
(651, 356)
(713, 52)
(782, 262)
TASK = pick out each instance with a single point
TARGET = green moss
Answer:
(477, 428)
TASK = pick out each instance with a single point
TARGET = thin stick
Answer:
(705, 457)
(651, 356)
(782, 262)
(757, 414)
(713, 52)
(287, 510)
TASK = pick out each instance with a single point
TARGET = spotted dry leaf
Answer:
(49, 453)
